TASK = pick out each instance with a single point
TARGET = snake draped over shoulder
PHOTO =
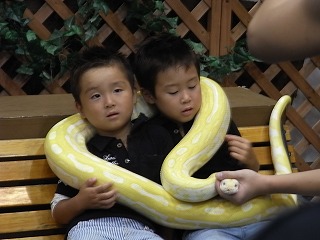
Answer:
(69, 159)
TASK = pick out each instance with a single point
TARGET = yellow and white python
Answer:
(68, 157)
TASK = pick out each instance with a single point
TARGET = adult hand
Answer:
(251, 185)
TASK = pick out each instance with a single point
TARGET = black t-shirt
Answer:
(219, 162)
(148, 145)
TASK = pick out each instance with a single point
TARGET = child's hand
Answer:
(241, 149)
(91, 196)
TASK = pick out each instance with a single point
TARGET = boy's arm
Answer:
(66, 209)
(89, 197)
(285, 30)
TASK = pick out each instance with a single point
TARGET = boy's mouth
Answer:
(187, 110)
(112, 114)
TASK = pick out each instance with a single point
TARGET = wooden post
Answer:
(214, 25)
(226, 42)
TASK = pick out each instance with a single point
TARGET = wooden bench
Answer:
(27, 185)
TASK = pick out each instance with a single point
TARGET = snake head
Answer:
(229, 186)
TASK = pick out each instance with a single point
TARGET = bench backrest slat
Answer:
(21, 147)
(25, 170)
(22, 196)
(29, 221)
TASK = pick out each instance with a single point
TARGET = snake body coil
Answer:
(68, 157)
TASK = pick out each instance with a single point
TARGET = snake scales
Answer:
(65, 148)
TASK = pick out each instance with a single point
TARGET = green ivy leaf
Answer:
(158, 5)
(21, 51)
(26, 70)
(30, 35)
(11, 35)
(56, 34)
(50, 48)
(101, 5)
(46, 75)
(69, 22)
(74, 30)
(90, 31)
(173, 22)
(25, 22)
(81, 2)
(84, 9)
(2, 25)
(198, 48)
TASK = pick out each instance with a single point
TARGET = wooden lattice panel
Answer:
(217, 24)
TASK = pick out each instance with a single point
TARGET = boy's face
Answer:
(107, 100)
(178, 93)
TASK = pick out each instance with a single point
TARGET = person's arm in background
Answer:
(253, 184)
(285, 30)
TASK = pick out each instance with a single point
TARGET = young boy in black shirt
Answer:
(168, 73)
(102, 85)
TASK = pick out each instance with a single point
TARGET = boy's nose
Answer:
(185, 97)
(108, 103)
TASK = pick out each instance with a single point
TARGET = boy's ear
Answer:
(79, 108)
(135, 95)
(148, 97)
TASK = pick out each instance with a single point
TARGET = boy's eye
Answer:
(174, 92)
(117, 90)
(95, 96)
(192, 87)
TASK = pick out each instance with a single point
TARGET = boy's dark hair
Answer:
(95, 57)
(159, 53)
